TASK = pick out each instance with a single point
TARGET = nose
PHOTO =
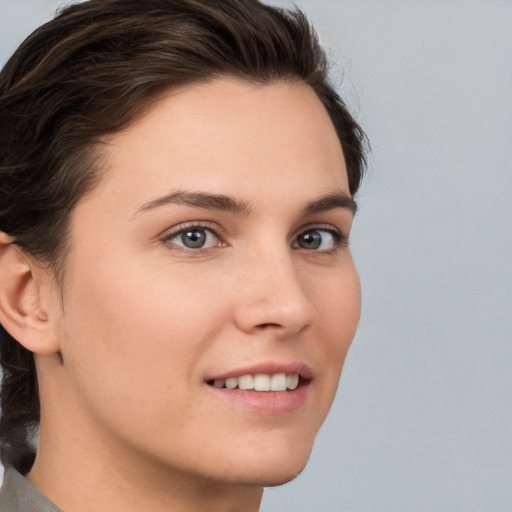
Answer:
(273, 297)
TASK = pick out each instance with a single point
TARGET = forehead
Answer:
(227, 134)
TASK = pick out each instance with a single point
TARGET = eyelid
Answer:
(214, 228)
(340, 239)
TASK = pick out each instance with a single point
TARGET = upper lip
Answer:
(267, 368)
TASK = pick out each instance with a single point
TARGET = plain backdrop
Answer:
(423, 419)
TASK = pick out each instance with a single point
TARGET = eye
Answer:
(318, 240)
(194, 237)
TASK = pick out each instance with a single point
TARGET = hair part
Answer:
(92, 71)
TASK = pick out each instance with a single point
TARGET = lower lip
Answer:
(266, 402)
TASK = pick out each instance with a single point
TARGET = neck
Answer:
(82, 467)
(75, 483)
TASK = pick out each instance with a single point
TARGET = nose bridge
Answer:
(274, 295)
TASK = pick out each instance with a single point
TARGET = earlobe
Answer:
(23, 312)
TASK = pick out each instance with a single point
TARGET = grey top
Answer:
(19, 495)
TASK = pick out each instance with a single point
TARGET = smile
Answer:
(268, 388)
(259, 382)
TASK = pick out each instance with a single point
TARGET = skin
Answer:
(128, 420)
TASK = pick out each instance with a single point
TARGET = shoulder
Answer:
(19, 495)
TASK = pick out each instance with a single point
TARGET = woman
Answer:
(177, 293)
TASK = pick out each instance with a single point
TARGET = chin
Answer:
(272, 470)
(274, 480)
(268, 477)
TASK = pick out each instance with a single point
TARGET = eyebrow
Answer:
(331, 202)
(230, 204)
(199, 200)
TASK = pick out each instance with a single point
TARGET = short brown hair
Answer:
(92, 71)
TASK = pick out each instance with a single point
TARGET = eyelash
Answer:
(194, 226)
(339, 240)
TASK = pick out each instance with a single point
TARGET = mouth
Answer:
(279, 382)
(265, 389)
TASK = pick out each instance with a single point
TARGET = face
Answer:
(213, 259)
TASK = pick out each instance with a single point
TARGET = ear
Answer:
(27, 311)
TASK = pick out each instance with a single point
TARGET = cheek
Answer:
(338, 304)
(140, 332)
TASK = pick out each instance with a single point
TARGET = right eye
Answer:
(194, 238)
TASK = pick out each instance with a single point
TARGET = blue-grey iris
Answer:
(194, 239)
(310, 240)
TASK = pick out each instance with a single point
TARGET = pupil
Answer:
(194, 239)
(311, 240)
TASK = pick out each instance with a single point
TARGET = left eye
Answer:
(194, 238)
(317, 240)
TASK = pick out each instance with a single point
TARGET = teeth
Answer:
(232, 383)
(292, 381)
(260, 382)
(278, 382)
(246, 382)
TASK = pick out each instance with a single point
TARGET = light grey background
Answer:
(423, 421)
